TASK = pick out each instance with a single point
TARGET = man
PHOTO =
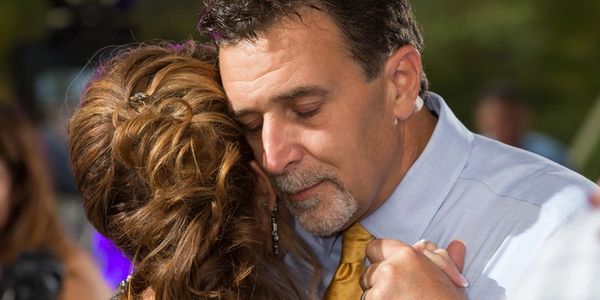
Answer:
(330, 93)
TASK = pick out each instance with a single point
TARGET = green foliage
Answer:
(173, 20)
(550, 48)
(19, 21)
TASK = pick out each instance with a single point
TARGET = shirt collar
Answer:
(407, 213)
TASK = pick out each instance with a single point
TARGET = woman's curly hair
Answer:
(164, 175)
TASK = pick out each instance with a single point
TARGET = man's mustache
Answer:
(296, 181)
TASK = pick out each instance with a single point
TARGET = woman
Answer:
(38, 260)
(165, 173)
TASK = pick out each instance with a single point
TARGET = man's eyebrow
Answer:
(297, 92)
(301, 91)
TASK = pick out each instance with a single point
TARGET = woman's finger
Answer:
(441, 259)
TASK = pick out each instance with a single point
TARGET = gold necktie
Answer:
(345, 283)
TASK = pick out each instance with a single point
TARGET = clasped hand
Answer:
(421, 271)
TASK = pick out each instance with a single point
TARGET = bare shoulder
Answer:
(82, 279)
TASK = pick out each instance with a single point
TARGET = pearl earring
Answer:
(418, 106)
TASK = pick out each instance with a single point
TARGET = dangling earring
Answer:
(124, 288)
(274, 233)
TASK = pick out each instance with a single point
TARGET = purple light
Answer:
(113, 264)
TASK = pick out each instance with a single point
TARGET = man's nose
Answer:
(281, 147)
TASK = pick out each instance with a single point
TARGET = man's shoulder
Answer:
(518, 199)
(520, 175)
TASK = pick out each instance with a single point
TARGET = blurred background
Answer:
(543, 56)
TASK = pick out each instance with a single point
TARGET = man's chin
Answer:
(322, 218)
(319, 231)
(321, 226)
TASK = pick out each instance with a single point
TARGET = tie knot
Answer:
(354, 242)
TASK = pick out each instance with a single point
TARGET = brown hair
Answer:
(164, 175)
(372, 29)
(32, 219)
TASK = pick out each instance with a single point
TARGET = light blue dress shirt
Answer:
(501, 201)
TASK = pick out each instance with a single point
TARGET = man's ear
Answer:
(264, 190)
(403, 71)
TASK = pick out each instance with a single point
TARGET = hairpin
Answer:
(138, 99)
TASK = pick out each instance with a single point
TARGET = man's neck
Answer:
(415, 133)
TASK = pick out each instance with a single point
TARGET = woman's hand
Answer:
(422, 271)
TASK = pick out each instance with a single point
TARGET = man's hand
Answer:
(400, 271)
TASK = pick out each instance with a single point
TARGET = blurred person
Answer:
(596, 197)
(335, 106)
(569, 265)
(502, 114)
(165, 173)
(38, 259)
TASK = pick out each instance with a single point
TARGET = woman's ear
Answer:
(264, 190)
(403, 71)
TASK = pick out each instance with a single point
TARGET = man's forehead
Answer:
(245, 54)
(249, 71)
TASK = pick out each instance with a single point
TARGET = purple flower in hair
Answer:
(175, 46)
(215, 35)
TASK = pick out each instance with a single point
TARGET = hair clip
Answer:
(138, 99)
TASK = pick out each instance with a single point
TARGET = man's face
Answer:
(321, 131)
